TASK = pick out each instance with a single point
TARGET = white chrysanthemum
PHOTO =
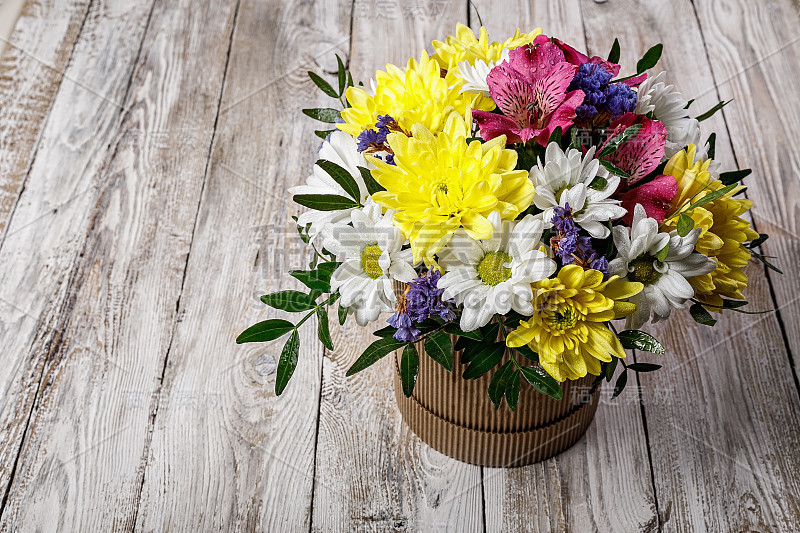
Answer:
(340, 148)
(565, 178)
(474, 76)
(495, 275)
(669, 107)
(372, 256)
(665, 284)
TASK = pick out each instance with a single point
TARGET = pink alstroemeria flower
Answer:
(640, 155)
(655, 196)
(530, 89)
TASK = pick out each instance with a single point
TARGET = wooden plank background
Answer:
(145, 151)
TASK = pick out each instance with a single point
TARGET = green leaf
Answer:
(287, 362)
(574, 142)
(613, 55)
(690, 102)
(329, 266)
(512, 318)
(342, 177)
(342, 313)
(409, 369)
(323, 134)
(543, 382)
(713, 195)
(342, 75)
(374, 353)
(701, 315)
(484, 360)
(619, 386)
(440, 349)
(526, 351)
(497, 386)
(318, 280)
(323, 331)
(639, 340)
(428, 325)
(735, 176)
(643, 367)
(512, 390)
(388, 331)
(599, 183)
(323, 85)
(323, 114)
(464, 343)
(611, 167)
(372, 185)
(663, 253)
(710, 112)
(618, 140)
(265, 331)
(454, 329)
(555, 137)
(611, 367)
(324, 202)
(649, 59)
(757, 242)
(685, 225)
(472, 349)
(733, 304)
(292, 301)
(712, 146)
(767, 264)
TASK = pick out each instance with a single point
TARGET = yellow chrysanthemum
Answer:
(440, 183)
(417, 95)
(723, 230)
(464, 46)
(568, 330)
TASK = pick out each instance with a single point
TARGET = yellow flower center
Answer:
(369, 261)
(562, 318)
(491, 269)
(643, 270)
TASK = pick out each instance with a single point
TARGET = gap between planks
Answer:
(157, 393)
(767, 273)
(13, 472)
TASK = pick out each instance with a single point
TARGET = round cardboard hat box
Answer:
(456, 417)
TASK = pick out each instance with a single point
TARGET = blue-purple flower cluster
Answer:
(571, 247)
(421, 301)
(374, 140)
(615, 99)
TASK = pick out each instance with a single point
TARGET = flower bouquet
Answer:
(506, 203)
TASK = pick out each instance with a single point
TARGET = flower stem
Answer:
(332, 298)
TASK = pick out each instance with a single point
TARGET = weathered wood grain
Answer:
(581, 489)
(31, 70)
(372, 473)
(724, 411)
(756, 69)
(52, 216)
(144, 207)
(10, 11)
(246, 461)
(104, 340)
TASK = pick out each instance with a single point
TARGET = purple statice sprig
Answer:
(571, 247)
(421, 301)
(406, 331)
(603, 100)
(373, 140)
